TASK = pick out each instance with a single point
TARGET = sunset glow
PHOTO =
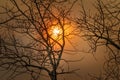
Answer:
(56, 31)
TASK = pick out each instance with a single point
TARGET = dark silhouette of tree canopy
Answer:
(102, 28)
(27, 43)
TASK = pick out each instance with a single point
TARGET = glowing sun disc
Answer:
(56, 31)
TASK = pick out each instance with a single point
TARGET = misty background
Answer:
(90, 63)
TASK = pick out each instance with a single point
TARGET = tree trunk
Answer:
(53, 75)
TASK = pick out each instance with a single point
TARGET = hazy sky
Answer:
(88, 64)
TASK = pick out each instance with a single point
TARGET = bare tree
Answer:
(27, 41)
(102, 28)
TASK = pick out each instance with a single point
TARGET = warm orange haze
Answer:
(59, 40)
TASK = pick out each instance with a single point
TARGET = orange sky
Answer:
(88, 64)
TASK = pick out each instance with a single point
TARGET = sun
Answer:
(56, 31)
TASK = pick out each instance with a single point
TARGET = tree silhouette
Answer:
(102, 28)
(27, 43)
